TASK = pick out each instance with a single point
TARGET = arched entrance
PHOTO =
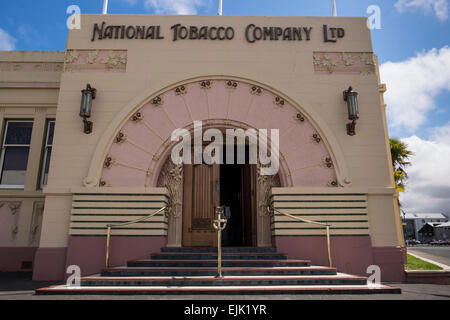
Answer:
(139, 152)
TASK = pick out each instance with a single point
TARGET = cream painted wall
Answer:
(153, 65)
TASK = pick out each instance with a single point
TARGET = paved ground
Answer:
(439, 254)
(18, 286)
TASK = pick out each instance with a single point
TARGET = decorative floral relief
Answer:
(92, 57)
(206, 84)
(230, 84)
(316, 138)
(96, 60)
(71, 56)
(104, 183)
(265, 185)
(120, 138)
(333, 184)
(256, 90)
(35, 221)
(280, 102)
(171, 177)
(180, 90)
(299, 117)
(157, 101)
(138, 116)
(327, 162)
(344, 63)
(112, 60)
(108, 163)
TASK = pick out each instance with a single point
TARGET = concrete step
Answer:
(219, 290)
(213, 256)
(224, 249)
(340, 279)
(213, 263)
(202, 271)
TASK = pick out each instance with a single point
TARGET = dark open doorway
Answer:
(237, 190)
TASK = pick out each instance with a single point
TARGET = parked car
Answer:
(440, 243)
(412, 242)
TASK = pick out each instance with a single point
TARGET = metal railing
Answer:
(111, 226)
(326, 225)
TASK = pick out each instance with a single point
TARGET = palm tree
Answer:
(400, 156)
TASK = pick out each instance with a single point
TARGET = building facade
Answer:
(415, 222)
(153, 75)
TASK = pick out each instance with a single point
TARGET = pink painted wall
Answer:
(145, 138)
(89, 252)
(352, 254)
(11, 258)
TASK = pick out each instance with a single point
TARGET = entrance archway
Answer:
(137, 153)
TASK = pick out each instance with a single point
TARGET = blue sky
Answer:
(412, 46)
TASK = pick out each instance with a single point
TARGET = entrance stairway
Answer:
(246, 271)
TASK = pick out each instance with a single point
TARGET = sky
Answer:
(412, 45)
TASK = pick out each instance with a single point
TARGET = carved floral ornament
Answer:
(230, 84)
(344, 62)
(96, 60)
(280, 102)
(206, 84)
(256, 90)
(138, 116)
(157, 101)
(120, 137)
(180, 90)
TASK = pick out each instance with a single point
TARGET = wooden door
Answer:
(201, 197)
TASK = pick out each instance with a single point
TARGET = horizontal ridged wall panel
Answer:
(345, 212)
(92, 212)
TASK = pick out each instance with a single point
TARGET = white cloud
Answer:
(7, 42)
(413, 86)
(428, 185)
(174, 6)
(440, 7)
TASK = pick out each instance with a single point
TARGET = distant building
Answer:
(442, 231)
(416, 221)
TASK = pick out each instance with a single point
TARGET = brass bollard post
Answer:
(219, 224)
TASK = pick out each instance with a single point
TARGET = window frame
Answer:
(45, 147)
(2, 156)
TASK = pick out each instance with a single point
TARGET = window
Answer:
(14, 157)
(47, 152)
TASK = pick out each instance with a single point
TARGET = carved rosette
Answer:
(104, 183)
(120, 138)
(333, 184)
(230, 84)
(206, 84)
(180, 90)
(108, 163)
(316, 138)
(138, 116)
(327, 162)
(299, 117)
(171, 177)
(157, 101)
(256, 90)
(279, 102)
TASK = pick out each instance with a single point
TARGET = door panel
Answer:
(201, 196)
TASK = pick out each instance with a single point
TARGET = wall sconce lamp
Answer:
(351, 97)
(87, 95)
